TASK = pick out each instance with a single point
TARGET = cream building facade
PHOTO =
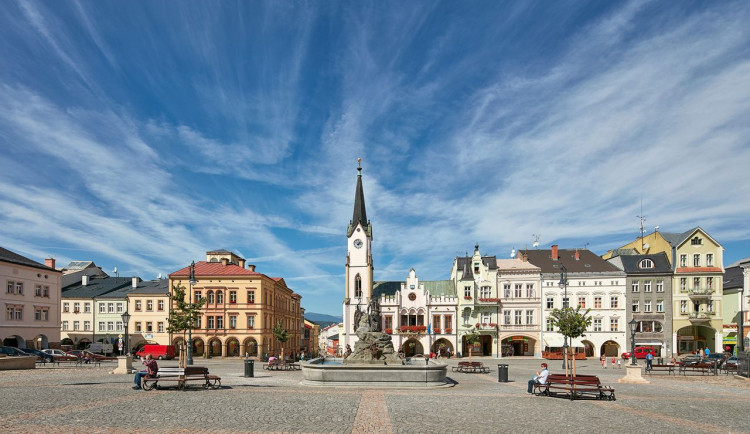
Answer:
(520, 310)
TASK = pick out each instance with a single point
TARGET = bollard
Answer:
(502, 373)
(249, 366)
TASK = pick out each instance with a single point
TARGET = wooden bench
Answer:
(580, 386)
(93, 362)
(181, 376)
(278, 365)
(471, 367)
(668, 368)
(729, 368)
(703, 368)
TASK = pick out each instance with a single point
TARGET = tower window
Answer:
(358, 286)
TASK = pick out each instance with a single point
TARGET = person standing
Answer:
(649, 360)
(603, 359)
(707, 352)
(151, 370)
(539, 378)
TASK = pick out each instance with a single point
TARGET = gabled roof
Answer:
(96, 287)
(516, 265)
(733, 278)
(675, 240)
(631, 263)
(206, 269)
(488, 261)
(589, 262)
(14, 258)
(159, 286)
(219, 252)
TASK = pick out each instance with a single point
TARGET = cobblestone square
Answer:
(89, 399)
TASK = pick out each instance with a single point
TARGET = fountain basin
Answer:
(419, 374)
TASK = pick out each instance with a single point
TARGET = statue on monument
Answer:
(357, 317)
(373, 314)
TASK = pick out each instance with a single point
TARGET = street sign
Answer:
(119, 336)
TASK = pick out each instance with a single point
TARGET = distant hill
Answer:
(322, 319)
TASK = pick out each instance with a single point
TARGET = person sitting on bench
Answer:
(151, 370)
(539, 378)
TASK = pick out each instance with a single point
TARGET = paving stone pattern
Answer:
(89, 399)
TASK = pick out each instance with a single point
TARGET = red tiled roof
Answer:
(204, 268)
(699, 270)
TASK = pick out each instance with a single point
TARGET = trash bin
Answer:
(661, 360)
(502, 373)
(249, 365)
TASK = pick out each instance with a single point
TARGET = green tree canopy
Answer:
(280, 333)
(183, 315)
(571, 322)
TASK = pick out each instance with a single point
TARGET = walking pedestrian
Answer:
(603, 359)
(614, 362)
(649, 360)
(619, 361)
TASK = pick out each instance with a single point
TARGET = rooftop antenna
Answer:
(513, 253)
(116, 273)
(585, 246)
(536, 240)
(642, 218)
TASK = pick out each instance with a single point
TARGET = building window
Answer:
(613, 324)
(119, 326)
(506, 290)
(11, 288)
(646, 263)
(549, 326)
(38, 314)
(233, 297)
(251, 296)
(110, 326)
(219, 322)
(76, 325)
(197, 297)
(709, 259)
(647, 286)
(210, 298)
(64, 325)
(636, 306)
(103, 326)
(76, 307)
(219, 297)
(696, 282)
(582, 302)
(709, 283)
(517, 290)
(710, 306)
(160, 305)
(149, 305)
(597, 324)
(149, 327)
(696, 241)
(696, 260)
(66, 307)
(448, 322)
(102, 308)
(198, 322)
(597, 302)
(635, 286)
(683, 306)
(517, 315)
(550, 302)
(659, 286)
(529, 317)
(45, 291)
(613, 302)
(233, 322)
(19, 288)
(160, 327)
(119, 307)
(111, 307)
(683, 284)
(485, 292)
(138, 326)
(660, 305)
(506, 317)
(566, 302)
(388, 321)
(467, 291)
(87, 307)
(358, 286)
(530, 293)
(38, 291)
(435, 322)
(87, 326)
(210, 322)
(647, 306)
(137, 305)
(683, 260)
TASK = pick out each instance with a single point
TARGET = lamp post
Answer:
(741, 329)
(191, 281)
(125, 320)
(564, 286)
(633, 326)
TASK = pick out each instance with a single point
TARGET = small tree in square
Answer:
(281, 335)
(471, 338)
(573, 324)
(182, 316)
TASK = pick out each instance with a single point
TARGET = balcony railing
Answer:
(701, 316)
(700, 292)
(488, 300)
(519, 327)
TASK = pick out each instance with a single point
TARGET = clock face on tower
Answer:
(358, 243)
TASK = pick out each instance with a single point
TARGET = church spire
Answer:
(360, 213)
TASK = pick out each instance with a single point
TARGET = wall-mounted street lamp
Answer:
(564, 286)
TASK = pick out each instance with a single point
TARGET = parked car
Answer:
(59, 355)
(732, 361)
(160, 352)
(640, 352)
(691, 359)
(717, 358)
(42, 356)
(101, 348)
(12, 351)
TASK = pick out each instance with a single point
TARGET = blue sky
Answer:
(140, 135)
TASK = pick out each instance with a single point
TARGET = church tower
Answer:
(358, 263)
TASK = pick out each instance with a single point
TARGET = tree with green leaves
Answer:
(573, 324)
(281, 335)
(183, 316)
(470, 339)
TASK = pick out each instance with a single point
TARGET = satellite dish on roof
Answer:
(513, 253)
(159, 276)
(115, 271)
(536, 240)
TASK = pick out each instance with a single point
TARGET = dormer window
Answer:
(646, 263)
(476, 267)
(696, 241)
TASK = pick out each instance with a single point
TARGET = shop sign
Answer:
(685, 338)
(519, 338)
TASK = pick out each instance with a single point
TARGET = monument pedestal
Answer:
(124, 365)
(633, 375)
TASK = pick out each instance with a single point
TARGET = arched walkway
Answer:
(518, 345)
(41, 342)
(198, 347)
(695, 338)
(442, 345)
(413, 347)
(14, 341)
(251, 347)
(589, 348)
(233, 347)
(83, 343)
(214, 347)
(66, 341)
(610, 349)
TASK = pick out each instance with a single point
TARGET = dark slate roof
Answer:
(159, 286)
(589, 262)
(359, 216)
(75, 276)
(96, 287)
(733, 278)
(661, 263)
(621, 252)
(385, 288)
(79, 265)
(14, 258)
(489, 261)
(219, 252)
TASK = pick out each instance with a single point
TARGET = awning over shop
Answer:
(637, 342)
(557, 340)
(730, 339)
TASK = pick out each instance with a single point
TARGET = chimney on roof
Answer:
(578, 255)
(224, 261)
(85, 280)
(525, 257)
(251, 267)
(135, 282)
(50, 262)
(241, 263)
(554, 252)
